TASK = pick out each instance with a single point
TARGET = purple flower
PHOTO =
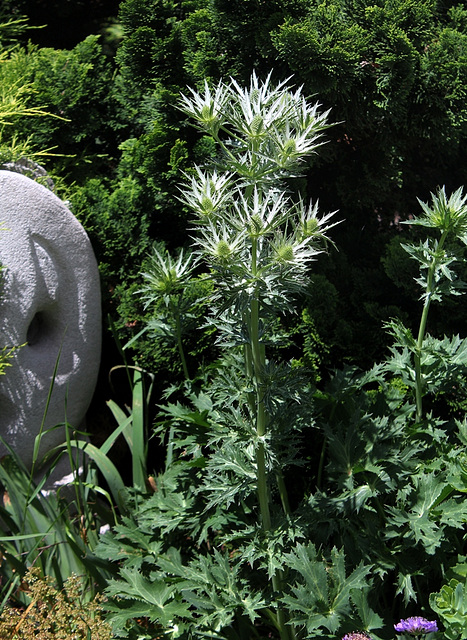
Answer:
(356, 635)
(416, 626)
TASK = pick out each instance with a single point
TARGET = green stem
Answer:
(248, 356)
(224, 148)
(256, 363)
(430, 287)
(263, 496)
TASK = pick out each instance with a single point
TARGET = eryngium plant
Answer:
(258, 242)
(425, 362)
(217, 551)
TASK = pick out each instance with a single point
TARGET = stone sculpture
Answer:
(50, 303)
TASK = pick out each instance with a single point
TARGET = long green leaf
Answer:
(139, 439)
(108, 470)
(124, 427)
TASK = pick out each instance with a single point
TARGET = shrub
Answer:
(54, 614)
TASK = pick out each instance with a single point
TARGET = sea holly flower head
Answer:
(262, 214)
(220, 245)
(257, 108)
(445, 214)
(298, 255)
(309, 117)
(299, 136)
(206, 109)
(166, 275)
(312, 226)
(416, 626)
(207, 193)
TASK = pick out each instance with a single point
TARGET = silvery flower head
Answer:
(416, 626)
(445, 214)
(206, 108)
(207, 193)
(166, 275)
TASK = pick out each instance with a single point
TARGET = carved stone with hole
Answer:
(50, 303)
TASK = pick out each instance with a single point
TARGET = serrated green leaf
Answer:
(370, 620)
(321, 594)
(157, 596)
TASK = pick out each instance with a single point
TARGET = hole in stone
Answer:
(35, 329)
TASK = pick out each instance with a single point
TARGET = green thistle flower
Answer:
(166, 275)
(447, 215)
(208, 193)
(207, 110)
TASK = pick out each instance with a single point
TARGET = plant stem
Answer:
(430, 287)
(257, 361)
